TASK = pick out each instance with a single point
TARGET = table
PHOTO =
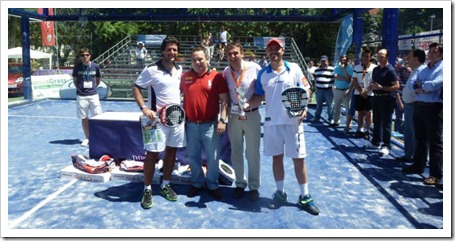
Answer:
(119, 135)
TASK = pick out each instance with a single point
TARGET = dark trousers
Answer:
(382, 119)
(428, 133)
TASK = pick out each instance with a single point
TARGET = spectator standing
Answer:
(224, 36)
(205, 44)
(243, 74)
(205, 94)
(416, 60)
(341, 93)
(311, 67)
(403, 75)
(220, 52)
(162, 81)
(263, 61)
(212, 43)
(324, 83)
(86, 78)
(363, 95)
(428, 117)
(141, 52)
(282, 134)
(350, 112)
(252, 57)
(385, 81)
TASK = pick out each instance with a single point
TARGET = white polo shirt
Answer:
(166, 85)
(363, 77)
(272, 84)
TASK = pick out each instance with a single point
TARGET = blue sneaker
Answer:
(278, 199)
(306, 203)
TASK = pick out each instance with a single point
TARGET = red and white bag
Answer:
(92, 166)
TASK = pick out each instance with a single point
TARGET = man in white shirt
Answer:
(363, 96)
(283, 134)
(141, 52)
(243, 74)
(162, 81)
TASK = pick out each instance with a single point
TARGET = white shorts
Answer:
(88, 103)
(284, 139)
(173, 137)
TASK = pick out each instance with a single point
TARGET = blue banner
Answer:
(150, 39)
(344, 38)
(261, 42)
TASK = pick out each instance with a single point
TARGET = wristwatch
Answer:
(223, 120)
(143, 107)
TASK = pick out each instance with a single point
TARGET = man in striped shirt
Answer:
(324, 82)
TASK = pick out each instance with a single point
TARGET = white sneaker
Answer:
(84, 142)
(371, 146)
(384, 151)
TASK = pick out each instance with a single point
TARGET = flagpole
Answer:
(56, 43)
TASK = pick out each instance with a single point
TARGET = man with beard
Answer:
(162, 80)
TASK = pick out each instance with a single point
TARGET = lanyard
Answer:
(87, 73)
(239, 80)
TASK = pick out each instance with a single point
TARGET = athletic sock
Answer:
(280, 186)
(304, 189)
(149, 187)
(165, 182)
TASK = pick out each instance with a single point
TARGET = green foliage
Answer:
(313, 38)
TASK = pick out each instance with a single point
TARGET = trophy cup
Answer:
(241, 97)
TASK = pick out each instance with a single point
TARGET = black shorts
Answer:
(362, 104)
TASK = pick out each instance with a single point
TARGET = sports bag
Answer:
(92, 166)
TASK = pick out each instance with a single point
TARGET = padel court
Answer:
(354, 188)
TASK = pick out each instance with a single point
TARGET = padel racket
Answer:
(295, 100)
(171, 115)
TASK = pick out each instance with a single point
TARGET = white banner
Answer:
(48, 86)
(405, 44)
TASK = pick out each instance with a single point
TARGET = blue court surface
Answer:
(359, 192)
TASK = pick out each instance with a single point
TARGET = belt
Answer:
(427, 103)
(387, 94)
(329, 88)
(254, 109)
(203, 121)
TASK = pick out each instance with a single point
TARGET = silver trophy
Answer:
(241, 97)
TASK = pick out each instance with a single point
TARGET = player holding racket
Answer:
(162, 80)
(279, 127)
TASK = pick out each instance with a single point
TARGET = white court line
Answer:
(41, 204)
(41, 116)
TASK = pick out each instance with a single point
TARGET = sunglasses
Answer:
(85, 55)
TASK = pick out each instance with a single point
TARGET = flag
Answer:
(344, 38)
(47, 29)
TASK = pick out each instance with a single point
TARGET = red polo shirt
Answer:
(201, 94)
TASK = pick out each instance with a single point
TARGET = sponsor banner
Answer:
(47, 29)
(261, 42)
(344, 38)
(68, 90)
(48, 86)
(405, 44)
(419, 40)
(150, 39)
